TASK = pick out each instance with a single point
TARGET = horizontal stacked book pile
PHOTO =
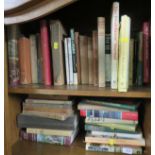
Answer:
(118, 58)
(111, 127)
(48, 121)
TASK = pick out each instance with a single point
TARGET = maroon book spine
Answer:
(146, 52)
(45, 53)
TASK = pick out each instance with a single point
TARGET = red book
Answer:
(24, 60)
(130, 116)
(45, 53)
(146, 52)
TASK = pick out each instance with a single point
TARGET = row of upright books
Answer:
(112, 126)
(102, 59)
(48, 121)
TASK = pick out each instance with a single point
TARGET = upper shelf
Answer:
(26, 10)
(80, 90)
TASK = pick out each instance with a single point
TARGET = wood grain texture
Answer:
(80, 90)
(38, 10)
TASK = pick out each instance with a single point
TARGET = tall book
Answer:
(140, 60)
(77, 47)
(34, 58)
(84, 59)
(95, 57)
(146, 52)
(131, 60)
(13, 59)
(24, 60)
(74, 53)
(101, 51)
(90, 60)
(40, 60)
(114, 45)
(124, 41)
(57, 34)
(107, 58)
(45, 52)
(66, 61)
(71, 74)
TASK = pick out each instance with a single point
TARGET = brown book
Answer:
(84, 59)
(95, 57)
(24, 60)
(77, 47)
(90, 61)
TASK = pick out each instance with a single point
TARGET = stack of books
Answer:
(111, 127)
(53, 57)
(48, 121)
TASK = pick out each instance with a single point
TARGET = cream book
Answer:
(50, 132)
(114, 45)
(101, 51)
(124, 48)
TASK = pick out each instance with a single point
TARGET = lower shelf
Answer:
(32, 148)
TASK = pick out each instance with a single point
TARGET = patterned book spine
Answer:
(45, 52)
(77, 47)
(101, 51)
(108, 58)
(71, 76)
(34, 59)
(115, 115)
(66, 60)
(123, 78)
(25, 60)
(114, 45)
(13, 58)
(74, 53)
(90, 61)
(146, 52)
(95, 57)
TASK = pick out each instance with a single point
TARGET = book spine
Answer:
(115, 115)
(34, 58)
(101, 51)
(131, 62)
(95, 57)
(90, 61)
(146, 52)
(13, 55)
(45, 52)
(66, 60)
(70, 61)
(28, 136)
(124, 41)
(24, 60)
(74, 53)
(77, 47)
(108, 58)
(84, 59)
(40, 60)
(140, 60)
(114, 45)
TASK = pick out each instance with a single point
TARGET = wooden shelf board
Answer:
(33, 148)
(80, 90)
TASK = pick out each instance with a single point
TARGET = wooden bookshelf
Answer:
(82, 16)
(80, 90)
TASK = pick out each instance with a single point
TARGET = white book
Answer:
(34, 59)
(71, 78)
(124, 48)
(101, 51)
(114, 45)
(66, 61)
(117, 134)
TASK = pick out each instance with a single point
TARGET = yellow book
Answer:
(50, 132)
(124, 42)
